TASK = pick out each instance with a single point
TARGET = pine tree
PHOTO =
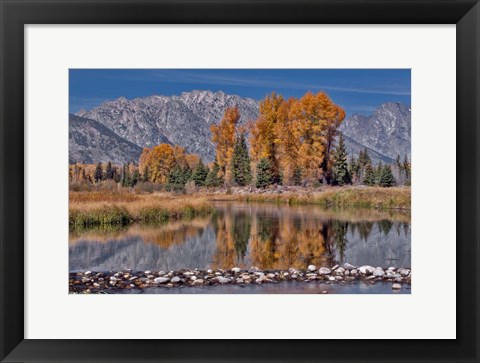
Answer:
(146, 174)
(176, 179)
(264, 173)
(98, 173)
(369, 178)
(109, 171)
(135, 178)
(364, 158)
(386, 178)
(353, 169)
(297, 176)
(125, 179)
(241, 173)
(200, 174)
(213, 179)
(341, 175)
(378, 173)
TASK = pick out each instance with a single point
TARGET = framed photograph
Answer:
(255, 181)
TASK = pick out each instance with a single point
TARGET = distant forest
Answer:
(293, 142)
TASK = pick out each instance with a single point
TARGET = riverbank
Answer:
(113, 281)
(329, 197)
(122, 208)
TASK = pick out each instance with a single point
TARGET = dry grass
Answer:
(339, 197)
(97, 208)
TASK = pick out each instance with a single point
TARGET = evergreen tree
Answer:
(364, 158)
(387, 179)
(378, 173)
(264, 173)
(297, 175)
(146, 174)
(369, 178)
(176, 179)
(353, 169)
(241, 173)
(135, 178)
(98, 173)
(200, 174)
(109, 171)
(341, 175)
(213, 180)
(125, 177)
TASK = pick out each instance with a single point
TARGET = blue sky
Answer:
(356, 90)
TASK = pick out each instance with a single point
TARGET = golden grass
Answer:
(99, 208)
(338, 197)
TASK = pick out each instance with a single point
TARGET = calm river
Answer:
(267, 236)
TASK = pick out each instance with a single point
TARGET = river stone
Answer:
(378, 272)
(331, 278)
(324, 271)
(175, 279)
(348, 267)
(339, 271)
(404, 272)
(223, 280)
(253, 269)
(334, 267)
(87, 273)
(193, 278)
(271, 276)
(161, 280)
(236, 270)
(198, 282)
(312, 268)
(396, 286)
(209, 271)
(354, 272)
(366, 270)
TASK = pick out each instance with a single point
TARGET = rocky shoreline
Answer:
(103, 282)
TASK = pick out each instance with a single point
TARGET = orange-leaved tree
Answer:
(223, 136)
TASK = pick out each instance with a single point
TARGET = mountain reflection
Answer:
(238, 234)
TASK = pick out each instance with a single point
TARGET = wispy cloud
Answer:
(274, 83)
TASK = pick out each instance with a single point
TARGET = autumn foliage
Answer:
(296, 134)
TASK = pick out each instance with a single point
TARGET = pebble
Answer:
(324, 271)
(366, 270)
(348, 267)
(98, 282)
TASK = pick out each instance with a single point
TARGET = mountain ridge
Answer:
(185, 120)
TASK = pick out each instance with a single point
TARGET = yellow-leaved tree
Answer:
(223, 136)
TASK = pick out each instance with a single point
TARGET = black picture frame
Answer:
(15, 14)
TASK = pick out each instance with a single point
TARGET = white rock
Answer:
(209, 271)
(366, 270)
(193, 278)
(396, 286)
(348, 267)
(198, 282)
(161, 280)
(312, 268)
(223, 280)
(331, 278)
(175, 279)
(324, 271)
(378, 272)
(87, 273)
(334, 267)
(404, 272)
(253, 269)
(236, 270)
(339, 271)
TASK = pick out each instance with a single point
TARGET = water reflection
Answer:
(239, 234)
